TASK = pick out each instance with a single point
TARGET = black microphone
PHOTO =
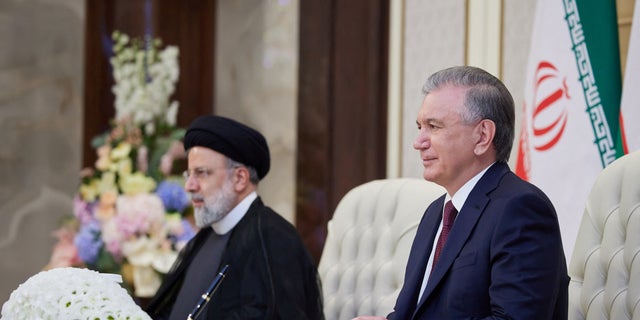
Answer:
(206, 297)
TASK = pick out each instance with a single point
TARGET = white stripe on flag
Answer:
(630, 104)
(566, 138)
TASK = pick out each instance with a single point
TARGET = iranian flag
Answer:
(630, 105)
(570, 122)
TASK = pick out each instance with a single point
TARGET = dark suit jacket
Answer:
(503, 258)
(271, 274)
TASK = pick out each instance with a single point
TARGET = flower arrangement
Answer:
(129, 213)
(71, 293)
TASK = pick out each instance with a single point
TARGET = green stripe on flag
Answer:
(593, 30)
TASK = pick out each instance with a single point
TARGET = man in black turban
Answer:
(270, 273)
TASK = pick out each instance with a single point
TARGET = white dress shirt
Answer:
(234, 216)
(458, 200)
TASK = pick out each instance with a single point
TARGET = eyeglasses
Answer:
(199, 173)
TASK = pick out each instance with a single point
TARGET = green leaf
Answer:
(178, 134)
(106, 263)
(99, 140)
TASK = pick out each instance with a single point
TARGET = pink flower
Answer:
(65, 253)
(86, 172)
(175, 151)
(143, 159)
(82, 210)
(138, 214)
(115, 248)
(112, 238)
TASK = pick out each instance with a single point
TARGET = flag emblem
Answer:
(550, 113)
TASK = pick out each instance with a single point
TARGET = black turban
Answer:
(231, 138)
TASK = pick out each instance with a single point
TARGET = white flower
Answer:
(141, 251)
(71, 293)
(164, 260)
(146, 281)
(147, 259)
(144, 82)
(172, 113)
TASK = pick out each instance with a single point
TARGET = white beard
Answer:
(216, 206)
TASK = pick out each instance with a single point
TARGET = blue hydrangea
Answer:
(88, 242)
(188, 233)
(173, 195)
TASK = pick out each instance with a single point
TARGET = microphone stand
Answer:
(206, 297)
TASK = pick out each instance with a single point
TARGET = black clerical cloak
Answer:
(271, 274)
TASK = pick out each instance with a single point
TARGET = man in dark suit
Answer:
(270, 273)
(496, 253)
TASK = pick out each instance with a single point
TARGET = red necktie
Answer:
(448, 217)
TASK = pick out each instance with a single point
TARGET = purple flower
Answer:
(82, 210)
(182, 235)
(88, 242)
(173, 195)
(187, 231)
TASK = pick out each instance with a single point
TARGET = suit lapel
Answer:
(464, 224)
(424, 243)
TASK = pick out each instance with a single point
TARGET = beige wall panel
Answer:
(517, 26)
(41, 65)
(434, 38)
(256, 83)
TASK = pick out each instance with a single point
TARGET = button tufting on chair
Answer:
(367, 246)
(605, 266)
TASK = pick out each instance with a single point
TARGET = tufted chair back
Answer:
(368, 243)
(605, 267)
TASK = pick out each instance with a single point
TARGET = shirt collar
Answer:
(460, 197)
(234, 216)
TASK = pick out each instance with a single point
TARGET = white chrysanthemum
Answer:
(71, 293)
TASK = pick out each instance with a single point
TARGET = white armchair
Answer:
(605, 267)
(367, 246)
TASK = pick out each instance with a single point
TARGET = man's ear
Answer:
(484, 133)
(240, 178)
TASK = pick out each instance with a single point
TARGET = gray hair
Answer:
(253, 173)
(486, 98)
